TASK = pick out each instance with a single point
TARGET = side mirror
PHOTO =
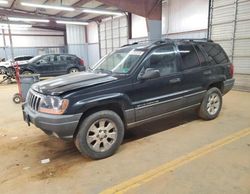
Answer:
(149, 73)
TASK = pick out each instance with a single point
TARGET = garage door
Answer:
(230, 27)
(113, 34)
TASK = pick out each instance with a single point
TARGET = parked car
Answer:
(21, 60)
(133, 85)
(53, 65)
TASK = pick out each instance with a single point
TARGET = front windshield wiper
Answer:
(101, 70)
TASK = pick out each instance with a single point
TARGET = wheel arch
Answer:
(216, 84)
(116, 107)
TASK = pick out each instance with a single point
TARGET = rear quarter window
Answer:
(68, 58)
(216, 55)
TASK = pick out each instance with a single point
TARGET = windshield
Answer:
(34, 59)
(119, 61)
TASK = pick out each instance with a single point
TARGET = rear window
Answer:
(216, 54)
(189, 57)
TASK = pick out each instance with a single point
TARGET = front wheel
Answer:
(211, 104)
(100, 135)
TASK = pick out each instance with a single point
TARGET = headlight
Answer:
(53, 105)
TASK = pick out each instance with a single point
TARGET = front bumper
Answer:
(228, 85)
(62, 126)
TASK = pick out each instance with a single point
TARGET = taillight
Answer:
(81, 62)
(231, 70)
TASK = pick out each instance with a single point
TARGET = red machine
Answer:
(17, 98)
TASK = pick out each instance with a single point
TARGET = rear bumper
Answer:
(82, 68)
(61, 126)
(228, 85)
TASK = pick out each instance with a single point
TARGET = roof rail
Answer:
(129, 44)
(194, 40)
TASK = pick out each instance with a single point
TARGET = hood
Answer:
(65, 83)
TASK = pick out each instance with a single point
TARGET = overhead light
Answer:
(5, 25)
(27, 19)
(105, 12)
(70, 22)
(3, 2)
(48, 6)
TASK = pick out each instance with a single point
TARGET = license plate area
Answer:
(26, 118)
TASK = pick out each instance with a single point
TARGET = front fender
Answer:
(114, 98)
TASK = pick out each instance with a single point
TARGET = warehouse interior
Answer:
(178, 154)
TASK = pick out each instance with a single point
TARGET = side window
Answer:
(59, 58)
(67, 58)
(216, 54)
(163, 59)
(48, 58)
(189, 57)
(201, 56)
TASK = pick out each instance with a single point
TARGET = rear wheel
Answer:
(100, 135)
(73, 70)
(211, 104)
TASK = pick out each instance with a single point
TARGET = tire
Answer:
(17, 99)
(27, 72)
(3, 70)
(211, 104)
(73, 70)
(93, 140)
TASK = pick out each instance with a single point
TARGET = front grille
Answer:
(33, 100)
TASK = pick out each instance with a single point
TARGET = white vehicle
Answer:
(20, 60)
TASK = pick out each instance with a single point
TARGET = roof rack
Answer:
(162, 41)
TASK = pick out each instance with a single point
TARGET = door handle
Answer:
(175, 80)
(207, 72)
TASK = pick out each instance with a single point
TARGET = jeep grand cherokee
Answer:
(133, 85)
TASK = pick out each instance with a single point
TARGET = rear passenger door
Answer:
(193, 82)
(60, 65)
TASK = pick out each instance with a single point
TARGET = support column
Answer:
(11, 44)
(154, 29)
(76, 41)
(4, 45)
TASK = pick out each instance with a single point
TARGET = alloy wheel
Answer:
(101, 135)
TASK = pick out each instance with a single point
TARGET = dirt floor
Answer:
(168, 146)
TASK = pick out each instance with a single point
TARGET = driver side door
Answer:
(158, 96)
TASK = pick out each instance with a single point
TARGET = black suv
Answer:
(133, 85)
(53, 65)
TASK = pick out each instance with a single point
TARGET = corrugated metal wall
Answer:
(76, 39)
(113, 34)
(33, 37)
(230, 27)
